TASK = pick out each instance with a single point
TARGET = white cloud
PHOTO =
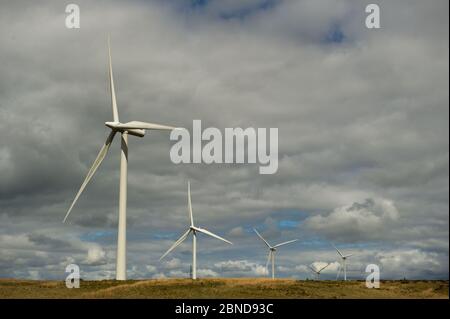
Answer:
(237, 232)
(204, 272)
(261, 270)
(358, 221)
(159, 276)
(34, 274)
(95, 256)
(302, 268)
(178, 274)
(150, 268)
(409, 263)
(172, 263)
(241, 267)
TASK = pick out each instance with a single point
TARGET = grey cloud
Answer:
(358, 221)
(363, 118)
(48, 242)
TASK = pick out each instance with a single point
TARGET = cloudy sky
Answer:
(363, 135)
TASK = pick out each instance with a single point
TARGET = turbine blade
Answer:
(191, 217)
(346, 256)
(111, 87)
(144, 126)
(324, 267)
(312, 269)
(176, 244)
(100, 157)
(285, 243)
(267, 244)
(337, 250)
(207, 232)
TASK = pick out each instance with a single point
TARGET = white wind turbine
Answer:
(194, 230)
(317, 272)
(135, 128)
(272, 249)
(342, 264)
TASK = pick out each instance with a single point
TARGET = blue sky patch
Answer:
(288, 224)
(335, 35)
(198, 3)
(163, 235)
(98, 235)
(246, 11)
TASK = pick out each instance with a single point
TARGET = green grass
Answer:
(222, 288)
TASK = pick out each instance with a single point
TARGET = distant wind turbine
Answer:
(135, 128)
(342, 264)
(317, 272)
(194, 230)
(272, 249)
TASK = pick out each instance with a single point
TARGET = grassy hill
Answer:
(222, 288)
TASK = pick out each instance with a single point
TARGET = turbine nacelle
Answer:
(116, 126)
(112, 125)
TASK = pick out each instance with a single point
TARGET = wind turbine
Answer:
(272, 249)
(194, 230)
(317, 272)
(135, 128)
(343, 264)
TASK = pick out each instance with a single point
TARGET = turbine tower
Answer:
(192, 230)
(272, 249)
(135, 128)
(317, 272)
(343, 263)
